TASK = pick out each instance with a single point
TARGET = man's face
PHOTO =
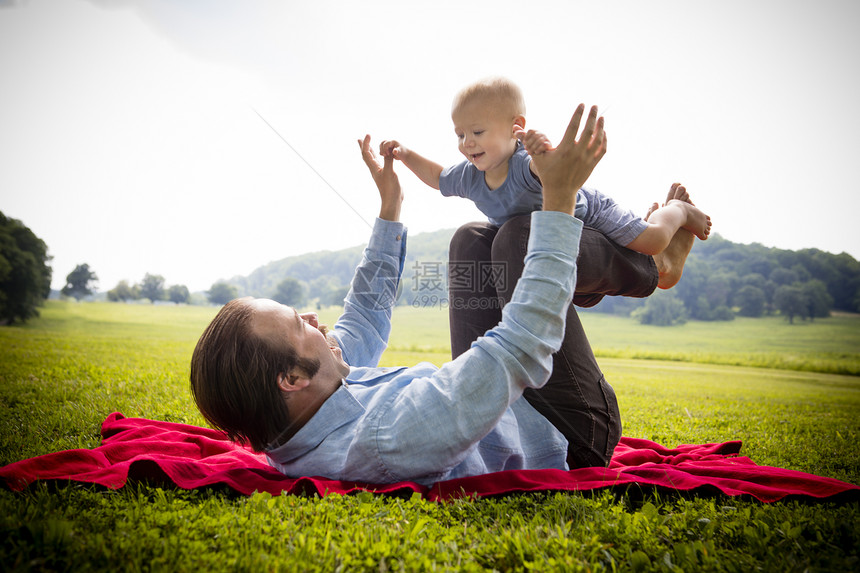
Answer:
(279, 322)
(484, 135)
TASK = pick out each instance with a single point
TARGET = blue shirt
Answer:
(521, 193)
(424, 423)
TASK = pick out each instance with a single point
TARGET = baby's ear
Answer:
(519, 122)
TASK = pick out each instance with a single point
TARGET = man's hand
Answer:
(563, 170)
(392, 148)
(426, 170)
(386, 181)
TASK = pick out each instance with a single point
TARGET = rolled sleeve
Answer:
(362, 330)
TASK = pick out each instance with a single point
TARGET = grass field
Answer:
(62, 374)
(831, 345)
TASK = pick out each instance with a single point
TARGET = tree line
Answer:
(152, 287)
(721, 280)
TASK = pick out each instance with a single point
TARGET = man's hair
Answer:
(234, 377)
(501, 91)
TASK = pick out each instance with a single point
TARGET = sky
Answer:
(200, 140)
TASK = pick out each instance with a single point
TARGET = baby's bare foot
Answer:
(698, 222)
(654, 206)
(670, 263)
(679, 193)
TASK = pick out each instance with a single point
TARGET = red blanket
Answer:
(192, 457)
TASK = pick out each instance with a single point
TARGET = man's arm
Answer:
(362, 330)
(454, 408)
(426, 170)
(445, 414)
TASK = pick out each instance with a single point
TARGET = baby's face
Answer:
(485, 135)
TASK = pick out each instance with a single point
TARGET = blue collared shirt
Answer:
(424, 423)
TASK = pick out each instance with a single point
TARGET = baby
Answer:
(489, 120)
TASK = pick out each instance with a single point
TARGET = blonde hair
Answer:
(499, 91)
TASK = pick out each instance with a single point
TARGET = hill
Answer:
(326, 274)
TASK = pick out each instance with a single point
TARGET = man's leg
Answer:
(577, 399)
(473, 307)
(603, 268)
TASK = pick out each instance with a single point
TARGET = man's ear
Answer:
(293, 382)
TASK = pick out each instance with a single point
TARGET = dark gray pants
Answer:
(484, 264)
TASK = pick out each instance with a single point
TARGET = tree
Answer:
(690, 289)
(790, 302)
(803, 275)
(123, 292)
(80, 282)
(25, 276)
(290, 291)
(751, 300)
(717, 290)
(818, 301)
(222, 293)
(152, 287)
(661, 309)
(847, 283)
(178, 294)
(321, 288)
(783, 277)
(337, 296)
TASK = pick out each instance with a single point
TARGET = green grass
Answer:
(62, 374)
(830, 345)
(797, 420)
(824, 345)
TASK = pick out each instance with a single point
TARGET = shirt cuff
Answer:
(387, 237)
(555, 231)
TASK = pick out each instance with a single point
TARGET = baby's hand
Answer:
(391, 149)
(535, 142)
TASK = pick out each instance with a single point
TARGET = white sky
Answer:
(129, 140)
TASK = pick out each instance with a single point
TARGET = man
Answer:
(317, 403)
